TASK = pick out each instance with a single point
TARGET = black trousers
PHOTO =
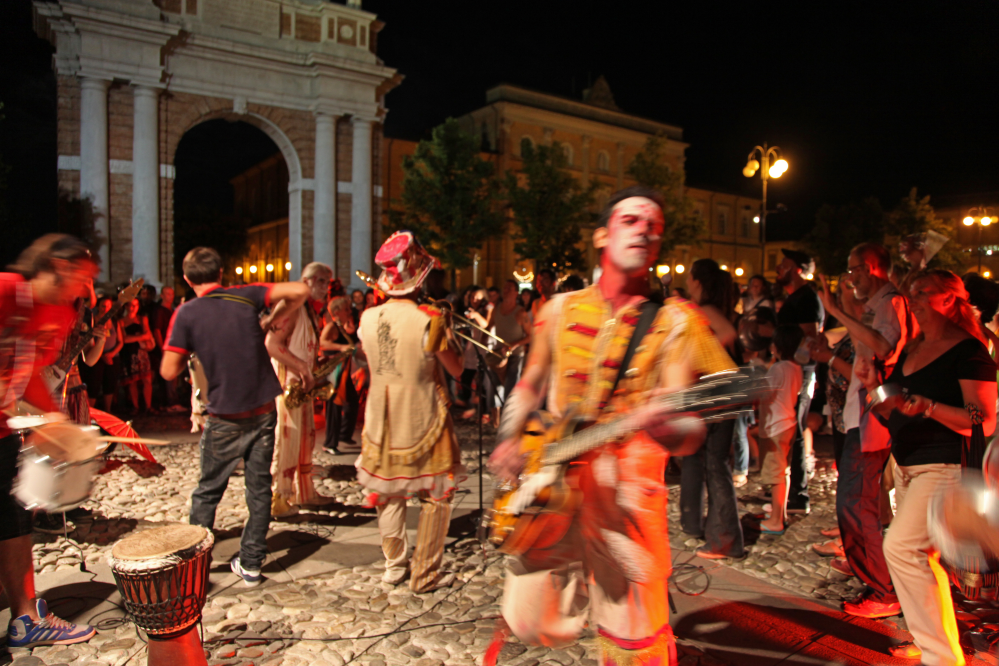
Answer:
(341, 421)
(709, 466)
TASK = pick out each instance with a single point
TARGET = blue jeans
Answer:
(740, 443)
(722, 530)
(858, 508)
(223, 444)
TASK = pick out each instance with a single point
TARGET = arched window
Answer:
(525, 139)
(603, 161)
(567, 151)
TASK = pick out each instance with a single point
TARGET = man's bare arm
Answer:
(277, 346)
(172, 365)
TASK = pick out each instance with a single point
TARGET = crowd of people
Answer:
(386, 365)
(827, 348)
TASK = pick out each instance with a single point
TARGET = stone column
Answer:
(360, 208)
(145, 185)
(295, 229)
(94, 162)
(324, 214)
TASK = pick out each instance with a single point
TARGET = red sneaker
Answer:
(867, 607)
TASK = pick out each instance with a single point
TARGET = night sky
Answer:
(865, 99)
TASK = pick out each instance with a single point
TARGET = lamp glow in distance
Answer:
(981, 216)
(770, 165)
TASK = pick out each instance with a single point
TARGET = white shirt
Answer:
(780, 413)
(886, 312)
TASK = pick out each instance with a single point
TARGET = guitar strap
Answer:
(649, 311)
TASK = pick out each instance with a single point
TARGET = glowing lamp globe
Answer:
(679, 268)
(739, 272)
(239, 270)
(253, 269)
(287, 265)
(986, 221)
(968, 221)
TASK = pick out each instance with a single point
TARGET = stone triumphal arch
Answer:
(134, 75)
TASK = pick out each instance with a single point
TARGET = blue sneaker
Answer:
(250, 577)
(23, 632)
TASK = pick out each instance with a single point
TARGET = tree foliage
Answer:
(550, 208)
(650, 168)
(914, 215)
(838, 229)
(448, 196)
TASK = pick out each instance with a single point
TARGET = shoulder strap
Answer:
(649, 311)
(232, 297)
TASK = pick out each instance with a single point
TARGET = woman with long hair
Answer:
(711, 289)
(950, 389)
(136, 368)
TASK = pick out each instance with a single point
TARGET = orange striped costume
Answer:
(614, 564)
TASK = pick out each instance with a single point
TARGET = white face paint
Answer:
(634, 234)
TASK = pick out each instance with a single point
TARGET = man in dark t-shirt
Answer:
(223, 327)
(803, 308)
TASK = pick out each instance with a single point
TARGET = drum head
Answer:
(159, 542)
(66, 442)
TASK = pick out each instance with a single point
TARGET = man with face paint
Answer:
(612, 567)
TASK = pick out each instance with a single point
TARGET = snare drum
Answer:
(162, 576)
(57, 467)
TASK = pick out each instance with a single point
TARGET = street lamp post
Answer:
(773, 166)
(981, 216)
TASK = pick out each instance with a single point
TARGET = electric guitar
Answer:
(527, 515)
(55, 374)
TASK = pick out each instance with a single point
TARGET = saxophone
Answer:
(296, 396)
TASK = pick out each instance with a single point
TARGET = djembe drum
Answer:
(162, 576)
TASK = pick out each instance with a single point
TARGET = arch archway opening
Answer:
(231, 193)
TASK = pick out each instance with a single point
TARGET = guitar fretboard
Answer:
(695, 399)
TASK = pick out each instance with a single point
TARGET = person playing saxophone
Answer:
(294, 350)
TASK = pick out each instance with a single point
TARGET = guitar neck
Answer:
(67, 359)
(692, 400)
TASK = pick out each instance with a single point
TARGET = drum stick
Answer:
(134, 440)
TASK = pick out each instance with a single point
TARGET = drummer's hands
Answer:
(914, 405)
(506, 462)
(55, 417)
(960, 517)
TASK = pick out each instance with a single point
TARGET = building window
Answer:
(771, 261)
(744, 230)
(567, 151)
(721, 228)
(603, 161)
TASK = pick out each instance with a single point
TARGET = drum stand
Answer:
(65, 534)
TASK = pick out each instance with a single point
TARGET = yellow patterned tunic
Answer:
(408, 442)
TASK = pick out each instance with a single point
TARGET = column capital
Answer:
(325, 116)
(362, 120)
(92, 83)
(144, 90)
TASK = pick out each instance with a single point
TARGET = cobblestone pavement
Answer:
(349, 615)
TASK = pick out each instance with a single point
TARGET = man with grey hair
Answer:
(878, 337)
(294, 350)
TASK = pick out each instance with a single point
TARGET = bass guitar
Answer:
(537, 510)
(55, 374)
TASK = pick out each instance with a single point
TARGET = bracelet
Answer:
(929, 410)
(975, 413)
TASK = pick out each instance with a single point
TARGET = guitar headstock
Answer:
(130, 292)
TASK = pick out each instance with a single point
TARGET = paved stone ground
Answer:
(346, 614)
